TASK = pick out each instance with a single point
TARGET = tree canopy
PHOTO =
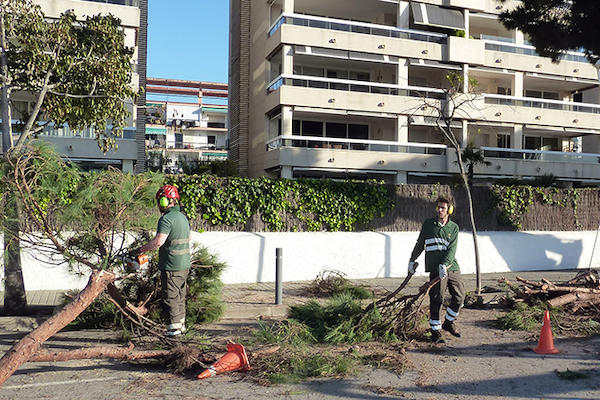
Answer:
(75, 72)
(556, 26)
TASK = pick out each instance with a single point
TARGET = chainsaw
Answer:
(134, 263)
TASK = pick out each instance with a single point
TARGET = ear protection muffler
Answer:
(450, 209)
(163, 202)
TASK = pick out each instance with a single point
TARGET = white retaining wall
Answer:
(251, 256)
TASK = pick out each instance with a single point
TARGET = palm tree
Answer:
(472, 157)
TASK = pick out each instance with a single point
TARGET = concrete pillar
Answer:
(288, 6)
(287, 59)
(287, 115)
(516, 139)
(517, 84)
(286, 172)
(518, 36)
(127, 166)
(403, 19)
(465, 74)
(464, 134)
(401, 178)
(402, 129)
(402, 75)
(466, 14)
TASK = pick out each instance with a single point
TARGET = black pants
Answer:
(454, 284)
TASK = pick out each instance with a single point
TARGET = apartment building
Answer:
(81, 146)
(344, 89)
(186, 123)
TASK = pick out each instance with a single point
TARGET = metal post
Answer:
(278, 275)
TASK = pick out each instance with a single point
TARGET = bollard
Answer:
(278, 277)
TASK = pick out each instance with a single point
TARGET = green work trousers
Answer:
(174, 289)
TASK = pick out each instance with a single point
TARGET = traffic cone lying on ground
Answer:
(546, 343)
(234, 359)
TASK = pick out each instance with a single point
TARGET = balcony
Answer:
(529, 110)
(501, 54)
(331, 93)
(308, 30)
(367, 155)
(538, 162)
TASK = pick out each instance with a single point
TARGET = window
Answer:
(216, 124)
(335, 130)
(358, 131)
(503, 141)
(212, 139)
(312, 128)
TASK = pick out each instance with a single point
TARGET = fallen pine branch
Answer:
(112, 352)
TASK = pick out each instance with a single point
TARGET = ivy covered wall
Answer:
(263, 204)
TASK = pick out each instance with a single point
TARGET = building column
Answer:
(466, 16)
(403, 20)
(402, 73)
(402, 129)
(287, 59)
(401, 178)
(287, 115)
(517, 84)
(465, 75)
(464, 134)
(518, 36)
(516, 139)
(286, 172)
(288, 6)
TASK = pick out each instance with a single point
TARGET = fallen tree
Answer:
(81, 220)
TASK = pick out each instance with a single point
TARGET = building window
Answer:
(503, 141)
(212, 139)
(312, 128)
(215, 124)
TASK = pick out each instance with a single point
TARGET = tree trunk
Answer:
(15, 300)
(31, 343)
(472, 219)
(117, 353)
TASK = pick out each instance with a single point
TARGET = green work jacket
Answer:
(174, 254)
(439, 243)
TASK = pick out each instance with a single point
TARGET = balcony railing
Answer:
(541, 103)
(540, 155)
(316, 142)
(355, 86)
(356, 27)
(527, 50)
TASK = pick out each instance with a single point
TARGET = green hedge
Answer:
(283, 204)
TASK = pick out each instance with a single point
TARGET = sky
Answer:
(188, 39)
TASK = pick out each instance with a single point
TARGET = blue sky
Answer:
(188, 39)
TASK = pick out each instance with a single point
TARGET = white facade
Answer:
(347, 88)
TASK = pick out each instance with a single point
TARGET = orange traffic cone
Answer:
(546, 343)
(234, 359)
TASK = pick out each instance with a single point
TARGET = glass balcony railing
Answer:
(505, 47)
(316, 142)
(540, 155)
(541, 103)
(356, 27)
(355, 86)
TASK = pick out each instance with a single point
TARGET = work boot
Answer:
(449, 326)
(436, 337)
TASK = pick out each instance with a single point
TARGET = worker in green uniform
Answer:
(173, 241)
(439, 237)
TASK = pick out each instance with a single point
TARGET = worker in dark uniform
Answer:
(174, 260)
(439, 237)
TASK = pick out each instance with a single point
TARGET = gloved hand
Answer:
(443, 271)
(412, 267)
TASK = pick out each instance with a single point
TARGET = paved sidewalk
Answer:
(256, 300)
